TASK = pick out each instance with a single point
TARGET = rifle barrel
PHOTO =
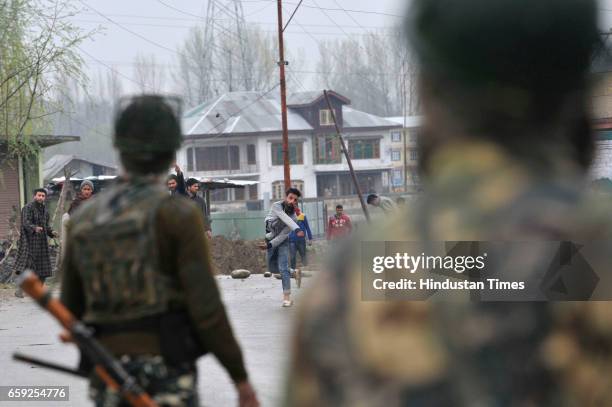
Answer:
(48, 365)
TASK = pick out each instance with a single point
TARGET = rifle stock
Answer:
(105, 366)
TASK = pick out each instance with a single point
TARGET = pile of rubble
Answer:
(229, 255)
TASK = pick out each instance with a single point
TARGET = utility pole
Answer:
(229, 70)
(404, 131)
(283, 90)
(348, 158)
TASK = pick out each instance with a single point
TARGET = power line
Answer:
(316, 6)
(128, 30)
(113, 69)
(380, 27)
(292, 14)
(126, 63)
(230, 33)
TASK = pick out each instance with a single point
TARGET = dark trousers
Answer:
(299, 246)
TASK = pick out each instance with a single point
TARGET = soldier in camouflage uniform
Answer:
(505, 151)
(138, 269)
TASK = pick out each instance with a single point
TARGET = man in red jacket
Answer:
(338, 225)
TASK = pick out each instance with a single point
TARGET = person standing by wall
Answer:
(339, 225)
(193, 186)
(33, 253)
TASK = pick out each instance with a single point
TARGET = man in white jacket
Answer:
(280, 222)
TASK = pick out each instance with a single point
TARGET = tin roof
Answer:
(257, 112)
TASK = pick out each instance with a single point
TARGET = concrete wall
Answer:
(602, 167)
(9, 194)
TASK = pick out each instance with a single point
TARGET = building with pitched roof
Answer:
(238, 136)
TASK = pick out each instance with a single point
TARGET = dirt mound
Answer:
(229, 255)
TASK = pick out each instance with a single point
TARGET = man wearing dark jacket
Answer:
(193, 186)
(176, 182)
(33, 252)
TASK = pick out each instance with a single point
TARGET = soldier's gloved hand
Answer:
(246, 395)
(310, 243)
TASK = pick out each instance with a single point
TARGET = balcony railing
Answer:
(242, 168)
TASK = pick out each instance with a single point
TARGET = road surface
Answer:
(261, 325)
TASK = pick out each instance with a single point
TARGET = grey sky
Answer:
(162, 25)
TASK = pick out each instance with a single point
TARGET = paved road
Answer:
(261, 325)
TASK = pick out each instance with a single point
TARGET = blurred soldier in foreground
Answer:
(137, 269)
(505, 152)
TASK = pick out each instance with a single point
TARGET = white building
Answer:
(238, 136)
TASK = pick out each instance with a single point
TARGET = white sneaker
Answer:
(287, 303)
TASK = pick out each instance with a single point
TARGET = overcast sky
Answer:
(159, 29)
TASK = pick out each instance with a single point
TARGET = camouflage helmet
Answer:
(544, 45)
(148, 125)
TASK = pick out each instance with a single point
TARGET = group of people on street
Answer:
(505, 158)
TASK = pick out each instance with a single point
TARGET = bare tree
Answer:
(380, 63)
(203, 74)
(149, 75)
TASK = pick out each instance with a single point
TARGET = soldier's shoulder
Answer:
(177, 207)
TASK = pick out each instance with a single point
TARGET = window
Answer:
(414, 135)
(218, 195)
(397, 178)
(278, 188)
(251, 157)
(396, 136)
(217, 158)
(364, 149)
(326, 118)
(239, 194)
(414, 155)
(190, 159)
(253, 192)
(296, 154)
(396, 155)
(327, 150)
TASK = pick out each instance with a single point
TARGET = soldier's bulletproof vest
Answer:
(115, 250)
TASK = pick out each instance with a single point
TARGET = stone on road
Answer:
(261, 325)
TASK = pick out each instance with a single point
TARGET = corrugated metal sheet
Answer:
(358, 119)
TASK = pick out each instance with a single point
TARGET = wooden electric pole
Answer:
(348, 158)
(283, 90)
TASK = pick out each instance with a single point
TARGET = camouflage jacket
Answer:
(351, 352)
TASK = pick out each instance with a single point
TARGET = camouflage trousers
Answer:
(168, 386)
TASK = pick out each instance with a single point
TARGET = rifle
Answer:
(105, 365)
